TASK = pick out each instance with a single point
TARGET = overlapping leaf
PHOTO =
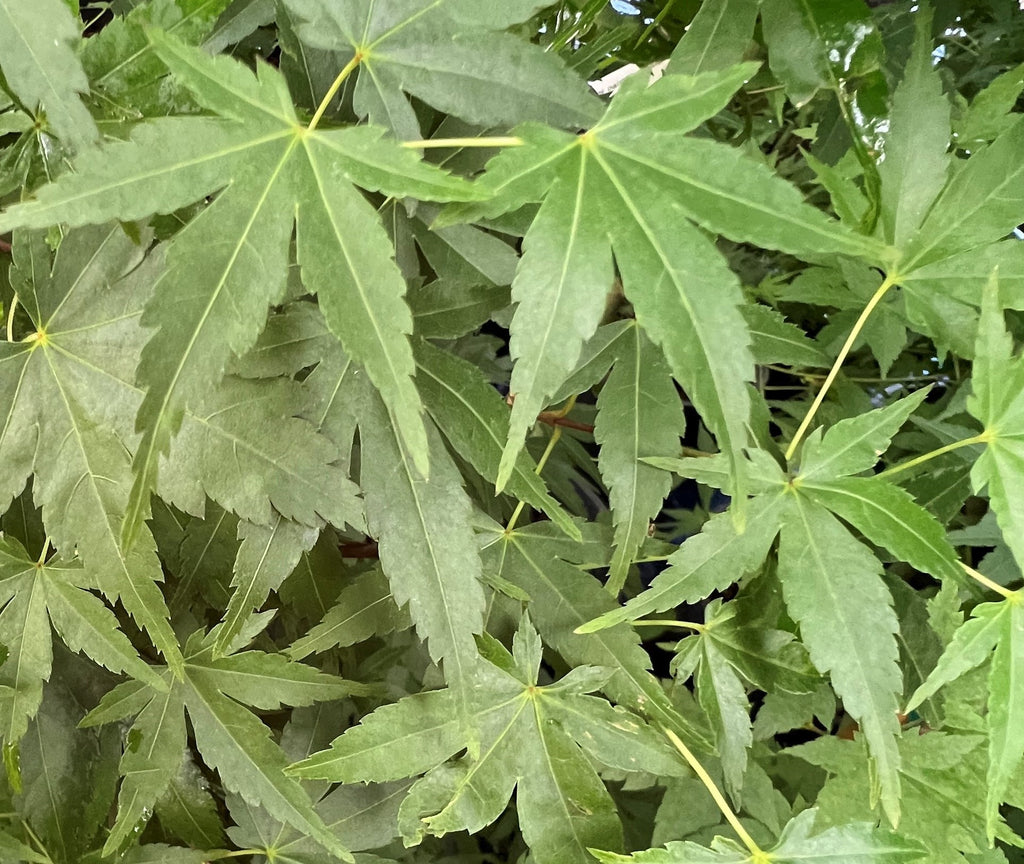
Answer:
(854, 843)
(33, 597)
(639, 171)
(229, 737)
(531, 738)
(40, 65)
(229, 263)
(830, 580)
(448, 55)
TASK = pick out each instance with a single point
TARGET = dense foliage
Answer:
(412, 453)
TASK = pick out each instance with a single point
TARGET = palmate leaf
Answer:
(543, 563)
(81, 469)
(40, 65)
(994, 630)
(726, 652)
(638, 169)
(239, 245)
(530, 738)
(709, 561)
(451, 55)
(979, 205)
(229, 736)
(127, 79)
(240, 444)
(943, 773)
(33, 597)
(854, 843)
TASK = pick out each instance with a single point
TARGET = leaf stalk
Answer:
(555, 435)
(332, 91)
(982, 579)
(876, 298)
(10, 318)
(933, 454)
(454, 143)
(757, 854)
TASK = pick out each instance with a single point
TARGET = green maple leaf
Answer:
(717, 38)
(34, 596)
(621, 189)
(916, 160)
(639, 415)
(266, 557)
(996, 631)
(238, 444)
(41, 68)
(996, 401)
(229, 264)
(127, 79)
(473, 417)
(943, 773)
(229, 736)
(450, 55)
(426, 544)
(726, 652)
(831, 582)
(852, 843)
(532, 738)
(81, 468)
(543, 563)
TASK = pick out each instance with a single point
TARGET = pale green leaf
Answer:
(85, 624)
(964, 276)
(562, 598)
(166, 164)
(238, 745)
(24, 633)
(188, 811)
(916, 162)
(833, 589)
(239, 245)
(1005, 711)
(397, 740)
(454, 59)
(996, 400)
(639, 415)
(473, 417)
(360, 289)
(971, 645)
(267, 556)
(889, 517)
(127, 78)
(775, 340)
(152, 756)
(718, 556)
(723, 698)
(990, 110)
(364, 608)
(37, 44)
(267, 681)
(980, 204)
(718, 36)
(427, 548)
(559, 288)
